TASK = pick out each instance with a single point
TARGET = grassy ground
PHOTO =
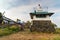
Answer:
(9, 30)
(27, 35)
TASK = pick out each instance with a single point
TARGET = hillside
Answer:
(27, 35)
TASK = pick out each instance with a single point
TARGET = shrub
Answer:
(57, 31)
(9, 30)
(14, 28)
(4, 31)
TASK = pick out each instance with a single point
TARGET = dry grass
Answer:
(26, 35)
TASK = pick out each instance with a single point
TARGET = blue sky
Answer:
(21, 8)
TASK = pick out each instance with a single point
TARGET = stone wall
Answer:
(42, 26)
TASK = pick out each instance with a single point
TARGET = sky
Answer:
(21, 8)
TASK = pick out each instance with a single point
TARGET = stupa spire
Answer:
(39, 8)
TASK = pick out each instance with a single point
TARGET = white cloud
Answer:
(21, 12)
(56, 20)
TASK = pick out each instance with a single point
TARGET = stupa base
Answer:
(42, 26)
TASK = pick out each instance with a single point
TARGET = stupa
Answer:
(41, 21)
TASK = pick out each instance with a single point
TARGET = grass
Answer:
(14, 33)
(8, 30)
(56, 38)
(57, 30)
(27, 35)
(24, 35)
